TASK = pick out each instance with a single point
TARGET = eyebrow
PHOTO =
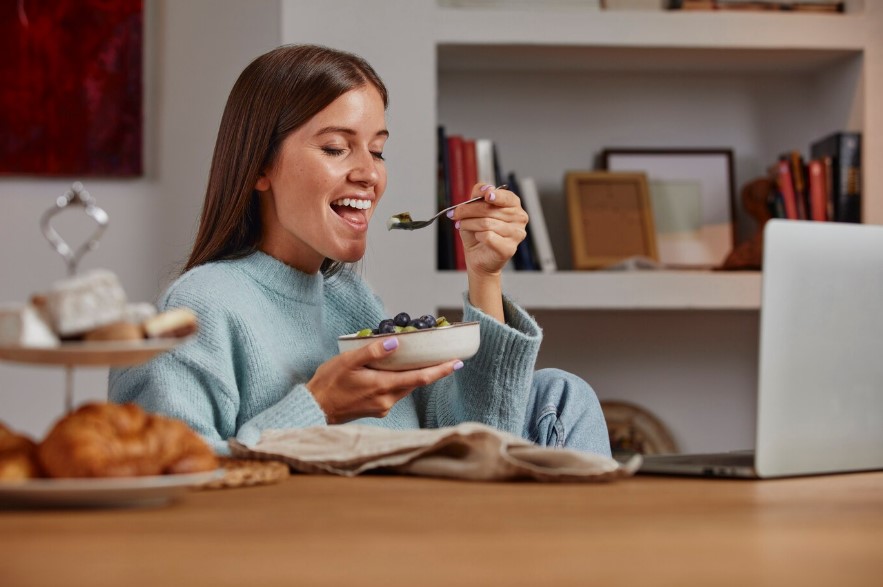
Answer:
(347, 131)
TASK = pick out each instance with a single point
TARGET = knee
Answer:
(559, 385)
(577, 411)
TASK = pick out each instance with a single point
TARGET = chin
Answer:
(351, 255)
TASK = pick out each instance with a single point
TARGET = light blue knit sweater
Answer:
(264, 329)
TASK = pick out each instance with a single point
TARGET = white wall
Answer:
(193, 52)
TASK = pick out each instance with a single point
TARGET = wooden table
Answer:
(376, 530)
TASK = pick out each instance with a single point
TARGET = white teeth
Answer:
(353, 203)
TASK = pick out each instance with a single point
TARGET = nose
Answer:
(365, 169)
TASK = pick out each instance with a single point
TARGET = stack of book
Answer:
(465, 161)
(825, 187)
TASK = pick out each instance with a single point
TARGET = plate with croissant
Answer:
(104, 455)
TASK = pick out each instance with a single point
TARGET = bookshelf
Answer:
(554, 87)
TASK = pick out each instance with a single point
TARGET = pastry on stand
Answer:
(86, 319)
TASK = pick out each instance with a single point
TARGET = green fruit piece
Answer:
(399, 329)
(364, 332)
(442, 321)
(409, 329)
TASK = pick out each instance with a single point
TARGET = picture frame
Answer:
(610, 218)
(693, 197)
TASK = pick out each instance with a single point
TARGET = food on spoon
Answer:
(18, 456)
(396, 219)
(403, 323)
(113, 440)
(22, 324)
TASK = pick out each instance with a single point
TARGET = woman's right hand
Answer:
(347, 389)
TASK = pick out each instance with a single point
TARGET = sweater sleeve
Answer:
(172, 386)
(198, 382)
(493, 387)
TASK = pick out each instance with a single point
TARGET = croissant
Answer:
(113, 440)
(18, 456)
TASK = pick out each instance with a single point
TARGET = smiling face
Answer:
(320, 194)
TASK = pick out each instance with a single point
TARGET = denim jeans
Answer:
(564, 412)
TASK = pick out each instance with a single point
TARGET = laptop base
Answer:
(731, 464)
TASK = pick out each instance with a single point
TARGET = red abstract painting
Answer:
(70, 87)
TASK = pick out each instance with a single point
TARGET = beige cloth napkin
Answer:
(468, 451)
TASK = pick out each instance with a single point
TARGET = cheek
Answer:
(380, 187)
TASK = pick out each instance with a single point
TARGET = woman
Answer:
(297, 172)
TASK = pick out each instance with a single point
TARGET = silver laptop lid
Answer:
(820, 403)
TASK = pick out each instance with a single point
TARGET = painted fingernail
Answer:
(458, 365)
(457, 225)
(492, 197)
(450, 214)
(390, 343)
(485, 187)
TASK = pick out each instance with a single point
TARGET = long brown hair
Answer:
(276, 94)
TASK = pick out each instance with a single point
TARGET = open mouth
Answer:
(353, 210)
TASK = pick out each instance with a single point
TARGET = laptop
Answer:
(820, 383)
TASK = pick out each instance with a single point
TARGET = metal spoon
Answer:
(403, 221)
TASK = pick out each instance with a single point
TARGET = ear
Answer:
(262, 184)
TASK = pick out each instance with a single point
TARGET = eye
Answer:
(332, 151)
(378, 155)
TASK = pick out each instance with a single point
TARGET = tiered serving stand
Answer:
(71, 354)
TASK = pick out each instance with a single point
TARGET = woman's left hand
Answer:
(491, 229)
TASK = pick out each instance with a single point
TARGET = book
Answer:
(484, 156)
(818, 193)
(444, 236)
(844, 149)
(470, 178)
(798, 181)
(786, 188)
(828, 166)
(458, 180)
(539, 231)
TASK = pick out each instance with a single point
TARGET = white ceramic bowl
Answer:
(422, 348)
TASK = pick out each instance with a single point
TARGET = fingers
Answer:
(346, 388)
(513, 229)
(498, 203)
(362, 357)
(410, 380)
(370, 353)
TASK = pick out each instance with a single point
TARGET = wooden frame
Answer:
(693, 195)
(610, 218)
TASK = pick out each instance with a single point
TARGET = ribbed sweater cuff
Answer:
(298, 409)
(507, 357)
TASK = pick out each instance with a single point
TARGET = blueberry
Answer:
(429, 319)
(402, 319)
(419, 324)
(384, 323)
(386, 327)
